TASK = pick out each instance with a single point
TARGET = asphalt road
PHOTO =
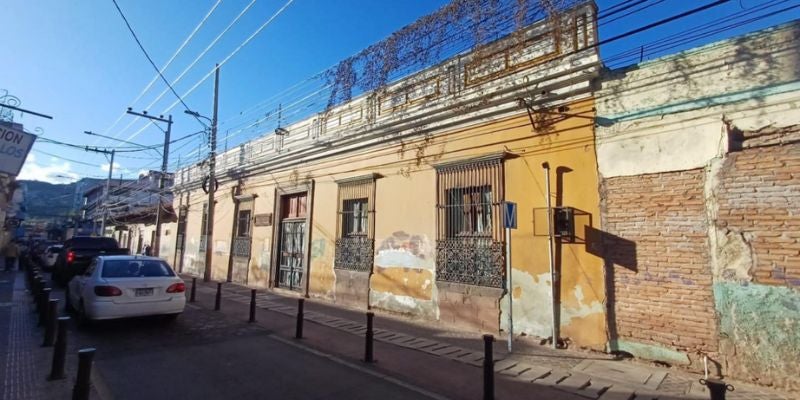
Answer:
(204, 355)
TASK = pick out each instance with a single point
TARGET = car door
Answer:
(83, 282)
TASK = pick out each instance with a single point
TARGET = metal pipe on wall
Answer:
(550, 240)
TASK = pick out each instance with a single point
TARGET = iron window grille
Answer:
(470, 243)
(355, 240)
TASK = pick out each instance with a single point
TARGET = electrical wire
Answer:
(169, 62)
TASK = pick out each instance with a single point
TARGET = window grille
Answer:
(355, 229)
(470, 243)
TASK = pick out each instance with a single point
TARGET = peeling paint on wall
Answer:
(760, 331)
(403, 250)
(533, 313)
(424, 309)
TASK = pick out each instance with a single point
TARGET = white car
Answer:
(126, 286)
(50, 255)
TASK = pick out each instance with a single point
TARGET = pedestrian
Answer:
(11, 252)
(147, 250)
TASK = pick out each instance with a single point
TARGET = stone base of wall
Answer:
(352, 288)
(470, 307)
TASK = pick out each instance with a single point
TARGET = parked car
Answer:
(49, 256)
(126, 286)
(78, 252)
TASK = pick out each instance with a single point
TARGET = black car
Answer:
(78, 252)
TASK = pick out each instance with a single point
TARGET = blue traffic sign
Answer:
(510, 215)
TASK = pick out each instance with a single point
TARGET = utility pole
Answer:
(211, 180)
(108, 185)
(157, 243)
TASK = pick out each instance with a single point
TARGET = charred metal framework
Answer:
(469, 244)
(355, 232)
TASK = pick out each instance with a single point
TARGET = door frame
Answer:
(280, 193)
(237, 202)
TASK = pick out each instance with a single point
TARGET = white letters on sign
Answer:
(14, 147)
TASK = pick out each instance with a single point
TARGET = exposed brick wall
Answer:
(662, 279)
(758, 196)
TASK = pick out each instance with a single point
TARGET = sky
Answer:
(77, 61)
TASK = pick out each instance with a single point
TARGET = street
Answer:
(204, 354)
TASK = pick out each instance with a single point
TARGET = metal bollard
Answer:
(298, 332)
(50, 324)
(60, 351)
(194, 290)
(37, 287)
(716, 388)
(44, 299)
(488, 367)
(368, 336)
(252, 305)
(218, 300)
(83, 383)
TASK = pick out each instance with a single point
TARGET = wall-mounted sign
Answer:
(263, 219)
(14, 147)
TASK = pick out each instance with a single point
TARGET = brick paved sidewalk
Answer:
(25, 363)
(586, 374)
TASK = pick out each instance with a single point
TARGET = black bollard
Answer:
(368, 338)
(83, 383)
(252, 305)
(43, 301)
(50, 324)
(218, 300)
(38, 284)
(298, 332)
(194, 289)
(60, 350)
(488, 367)
(716, 388)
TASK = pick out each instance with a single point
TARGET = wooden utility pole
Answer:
(212, 186)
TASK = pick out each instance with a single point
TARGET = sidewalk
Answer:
(529, 373)
(25, 363)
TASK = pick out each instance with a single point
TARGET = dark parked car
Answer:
(79, 251)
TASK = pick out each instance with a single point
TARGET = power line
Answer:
(166, 82)
(193, 63)
(226, 59)
(167, 64)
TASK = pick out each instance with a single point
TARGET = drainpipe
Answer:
(550, 240)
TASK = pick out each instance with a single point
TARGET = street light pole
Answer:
(157, 241)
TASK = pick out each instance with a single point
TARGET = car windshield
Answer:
(135, 269)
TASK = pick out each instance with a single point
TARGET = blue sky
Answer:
(76, 61)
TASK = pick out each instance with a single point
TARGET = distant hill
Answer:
(45, 200)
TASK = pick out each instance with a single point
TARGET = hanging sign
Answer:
(14, 147)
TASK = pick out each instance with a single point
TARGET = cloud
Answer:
(53, 172)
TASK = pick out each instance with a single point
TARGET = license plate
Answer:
(144, 292)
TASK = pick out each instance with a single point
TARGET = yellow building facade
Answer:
(394, 201)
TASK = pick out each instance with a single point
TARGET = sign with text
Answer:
(510, 215)
(263, 219)
(14, 147)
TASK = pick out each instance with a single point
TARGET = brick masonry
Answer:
(758, 198)
(657, 242)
